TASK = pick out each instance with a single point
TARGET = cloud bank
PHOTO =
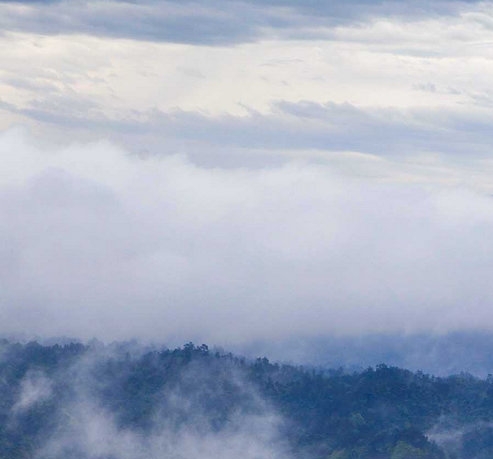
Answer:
(99, 242)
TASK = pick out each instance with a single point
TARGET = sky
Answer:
(249, 170)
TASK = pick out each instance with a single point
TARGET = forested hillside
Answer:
(120, 402)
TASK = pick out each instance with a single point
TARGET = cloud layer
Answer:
(98, 242)
(379, 81)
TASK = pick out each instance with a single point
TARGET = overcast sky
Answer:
(229, 171)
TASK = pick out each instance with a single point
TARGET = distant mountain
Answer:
(438, 354)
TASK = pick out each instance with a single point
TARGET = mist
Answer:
(185, 416)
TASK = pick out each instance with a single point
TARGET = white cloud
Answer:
(99, 243)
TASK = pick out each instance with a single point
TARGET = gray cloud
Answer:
(206, 22)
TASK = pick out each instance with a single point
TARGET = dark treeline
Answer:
(379, 413)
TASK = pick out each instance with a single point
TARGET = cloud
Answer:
(177, 22)
(337, 127)
(97, 242)
(337, 176)
(373, 86)
(370, 76)
(92, 432)
(206, 22)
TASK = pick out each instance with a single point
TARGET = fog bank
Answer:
(100, 243)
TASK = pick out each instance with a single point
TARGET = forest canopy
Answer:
(150, 400)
